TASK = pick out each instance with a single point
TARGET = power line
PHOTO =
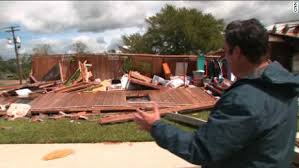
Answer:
(12, 30)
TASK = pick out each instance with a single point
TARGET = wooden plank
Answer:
(192, 121)
(83, 86)
(188, 97)
(135, 81)
(116, 100)
(116, 118)
(153, 97)
(81, 100)
(124, 117)
(178, 97)
(73, 87)
(108, 98)
(138, 76)
(62, 98)
(41, 101)
(130, 117)
(33, 79)
(200, 95)
(100, 98)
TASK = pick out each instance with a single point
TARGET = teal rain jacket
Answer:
(253, 125)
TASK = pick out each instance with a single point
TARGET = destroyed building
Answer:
(112, 86)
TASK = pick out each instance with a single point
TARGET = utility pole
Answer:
(12, 30)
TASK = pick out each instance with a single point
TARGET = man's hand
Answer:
(145, 120)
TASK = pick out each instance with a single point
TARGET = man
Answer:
(254, 122)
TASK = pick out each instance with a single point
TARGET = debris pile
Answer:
(16, 101)
(81, 96)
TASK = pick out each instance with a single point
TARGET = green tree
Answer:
(26, 65)
(137, 43)
(8, 68)
(2, 67)
(2, 64)
(178, 31)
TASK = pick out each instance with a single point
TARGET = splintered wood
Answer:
(172, 100)
(136, 78)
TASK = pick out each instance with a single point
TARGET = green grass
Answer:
(3, 84)
(65, 131)
(9, 82)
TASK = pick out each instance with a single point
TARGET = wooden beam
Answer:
(130, 117)
(180, 118)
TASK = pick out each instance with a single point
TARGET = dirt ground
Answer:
(104, 155)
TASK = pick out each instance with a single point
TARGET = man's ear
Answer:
(237, 51)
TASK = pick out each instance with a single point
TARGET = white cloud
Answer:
(93, 16)
(41, 16)
(267, 11)
(114, 43)
(103, 22)
(57, 46)
(6, 50)
(92, 42)
(101, 16)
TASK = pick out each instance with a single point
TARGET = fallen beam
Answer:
(142, 83)
(130, 117)
(78, 88)
(180, 118)
(138, 76)
(33, 79)
(126, 117)
(74, 87)
(70, 109)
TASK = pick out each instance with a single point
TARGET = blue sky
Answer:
(100, 24)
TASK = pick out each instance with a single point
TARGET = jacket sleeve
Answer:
(230, 127)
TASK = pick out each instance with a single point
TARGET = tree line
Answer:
(8, 68)
(170, 31)
(177, 31)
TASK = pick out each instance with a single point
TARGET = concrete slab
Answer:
(104, 155)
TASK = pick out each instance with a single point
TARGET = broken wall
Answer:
(108, 66)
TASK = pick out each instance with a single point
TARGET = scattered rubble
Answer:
(17, 110)
(114, 100)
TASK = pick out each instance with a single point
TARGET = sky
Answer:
(100, 24)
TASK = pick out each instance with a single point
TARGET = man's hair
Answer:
(250, 35)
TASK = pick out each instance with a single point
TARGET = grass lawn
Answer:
(64, 131)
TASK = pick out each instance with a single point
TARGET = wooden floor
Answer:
(117, 100)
